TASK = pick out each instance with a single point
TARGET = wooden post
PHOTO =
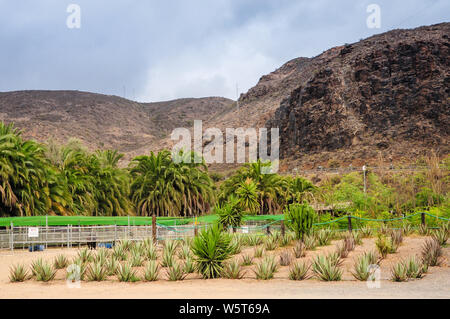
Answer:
(349, 223)
(268, 230)
(283, 228)
(195, 230)
(422, 215)
(154, 228)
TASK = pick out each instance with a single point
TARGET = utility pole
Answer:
(364, 168)
(237, 96)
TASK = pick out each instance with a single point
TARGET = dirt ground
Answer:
(435, 284)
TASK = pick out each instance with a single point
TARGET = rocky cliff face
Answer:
(388, 93)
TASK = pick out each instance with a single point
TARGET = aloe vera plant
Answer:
(96, 272)
(151, 271)
(431, 252)
(299, 249)
(399, 272)
(232, 270)
(18, 273)
(259, 251)
(266, 268)
(126, 273)
(46, 272)
(176, 272)
(247, 260)
(60, 262)
(299, 271)
(326, 268)
(285, 258)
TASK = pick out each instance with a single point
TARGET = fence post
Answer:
(68, 239)
(283, 228)
(349, 223)
(154, 227)
(268, 230)
(46, 231)
(422, 216)
(12, 236)
(195, 230)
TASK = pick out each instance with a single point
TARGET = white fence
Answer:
(18, 237)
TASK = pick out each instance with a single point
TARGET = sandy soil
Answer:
(435, 284)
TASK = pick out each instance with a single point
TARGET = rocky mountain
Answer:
(103, 121)
(388, 95)
(383, 97)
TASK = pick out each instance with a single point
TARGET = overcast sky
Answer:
(160, 50)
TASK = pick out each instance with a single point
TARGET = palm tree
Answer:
(165, 187)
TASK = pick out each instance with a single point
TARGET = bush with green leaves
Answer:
(270, 243)
(299, 249)
(361, 269)
(299, 271)
(111, 266)
(323, 236)
(230, 214)
(96, 272)
(327, 268)
(441, 235)
(414, 268)
(299, 218)
(85, 255)
(310, 242)
(184, 252)
(176, 272)
(431, 252)
(232, 270)
(384, 245)
(399, 272)
(211, 248)
(167, 258)
(46, 272)
(254, 240)
(126, 273)
(18, 273)
(60, 262)
(266, 268)
(259, 251)
(151, 271)
(285, 258)
(35, 266)
(189, 266)
(247, 260)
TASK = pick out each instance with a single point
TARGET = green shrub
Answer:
(361, 268)
(285, 258)
(299, 218)
(45, 273)
(126, 273)
(326, 268)
(230, 214)
(176, 272)
(299, 249)
(431, 252)
(399, 272)
(151, 271)
(299, 271)
(266, 268)
(96, 272)
(189, 266)
(18, 273)
(232, 270)
(60, 262)
(259, 251)
(211, 248)
(247, 260)
(167, 258)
